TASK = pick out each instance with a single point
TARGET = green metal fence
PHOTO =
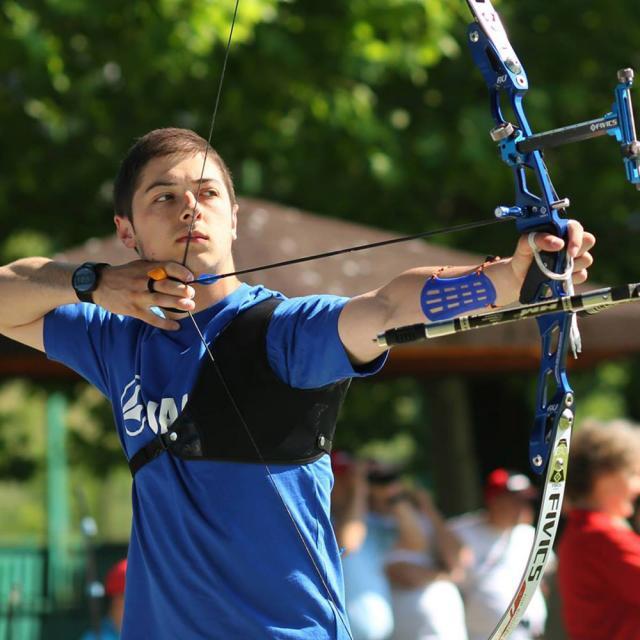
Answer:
(22, 574)
(36, 605)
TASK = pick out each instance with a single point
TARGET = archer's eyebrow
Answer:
(171, 183)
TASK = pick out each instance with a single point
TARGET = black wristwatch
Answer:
(86, 278)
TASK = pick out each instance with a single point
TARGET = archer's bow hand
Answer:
(134, 288)
(509, 275)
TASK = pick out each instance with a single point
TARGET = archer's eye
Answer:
(210, 193)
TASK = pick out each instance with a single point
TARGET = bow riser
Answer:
(506, 78)
(554, 395)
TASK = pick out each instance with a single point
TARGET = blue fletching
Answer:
(206, 278)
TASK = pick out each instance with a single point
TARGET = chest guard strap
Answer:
(289, 426)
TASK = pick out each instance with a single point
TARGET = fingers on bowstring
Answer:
(159, 271)
(175, 271)
(168, 301)
(170, 287)
(167, 285)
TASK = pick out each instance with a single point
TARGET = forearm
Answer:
(350, 534)
(411, 534)
(448, 546)
(350, 521)
(405, 301)
(411, 576)
(404, 296)
(400, 302)
(30, 288)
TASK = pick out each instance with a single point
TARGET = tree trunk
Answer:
(453, 457)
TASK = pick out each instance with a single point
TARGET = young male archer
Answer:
(231, 534)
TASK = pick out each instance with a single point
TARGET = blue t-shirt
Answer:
(213, 553)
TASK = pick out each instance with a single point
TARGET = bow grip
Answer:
(534, 281)
(532, 289)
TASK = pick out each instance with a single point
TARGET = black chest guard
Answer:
(287, 425)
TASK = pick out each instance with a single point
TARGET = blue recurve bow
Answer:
(550, 438)
(547, 290)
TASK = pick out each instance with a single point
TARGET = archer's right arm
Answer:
(31, 287)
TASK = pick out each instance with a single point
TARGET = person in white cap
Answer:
(498, 540)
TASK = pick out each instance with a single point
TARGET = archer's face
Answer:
(163, 205)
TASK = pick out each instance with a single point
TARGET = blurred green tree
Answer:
(367, 110)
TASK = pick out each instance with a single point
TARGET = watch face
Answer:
(84, 279)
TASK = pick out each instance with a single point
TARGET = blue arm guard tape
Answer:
(446, 298)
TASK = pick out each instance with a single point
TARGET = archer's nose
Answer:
(190, 206)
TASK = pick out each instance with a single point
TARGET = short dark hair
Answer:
(598, 449)
(157, 144)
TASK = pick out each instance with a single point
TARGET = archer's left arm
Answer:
(399, 302)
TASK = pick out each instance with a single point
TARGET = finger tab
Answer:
(157, 273)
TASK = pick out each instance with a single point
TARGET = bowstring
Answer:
(202, 338)
(211, 128)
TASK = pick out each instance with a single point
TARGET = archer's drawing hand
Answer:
(131, 290)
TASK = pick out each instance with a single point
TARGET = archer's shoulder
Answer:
(310, 307)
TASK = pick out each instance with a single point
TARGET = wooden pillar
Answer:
(453, 460)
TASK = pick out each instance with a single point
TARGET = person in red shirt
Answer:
(114, 582)
(599, 553)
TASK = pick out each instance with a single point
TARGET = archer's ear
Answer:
(125, 231)
(234, 221)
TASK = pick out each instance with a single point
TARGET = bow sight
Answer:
(503, 73)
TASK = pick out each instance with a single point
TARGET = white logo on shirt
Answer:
(158, 415)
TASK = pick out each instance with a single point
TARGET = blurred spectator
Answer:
(397, 556)
(425, 558)
(635, 518)
(366, 535)
(114, 591)
(599, 553)
(499, 540)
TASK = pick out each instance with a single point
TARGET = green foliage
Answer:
(96, 462)
(378, 98)
(22, 432)
(602, 394)
(92, 440)
(385, 420)
(367, 110)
